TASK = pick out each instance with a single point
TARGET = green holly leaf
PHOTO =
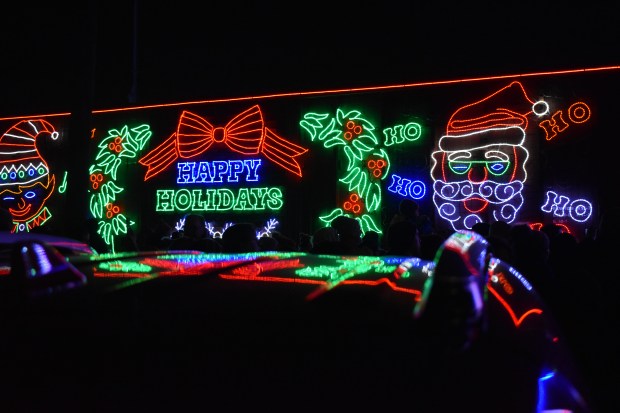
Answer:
(367, 223)
(360, 184)
(119, 224)
(93, 169)
(360, 145)
(105, 230)
(351, 176)
(331, 216)
(96, 205)
(353, 157)
(373, 198)
(129, 146)
(312, 123)
(329, 131)
(334, 142)
(109, 191)
(143, 134)
(105, 158)
(127, 152)
(341, 117)
(112, 167)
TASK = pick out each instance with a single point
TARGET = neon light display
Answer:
(367, 162)
(325, 277)
(537, 226)
(165, 265)
(217, 233)
(407, 187)
(25, 179)
(218, 171)
(578, 210)
(354, 134)
(266, 230)
(218, 200)
(479, 168)
(492, 156)
(117, 146)
(401, 133)
(578, 112)
(245, 134)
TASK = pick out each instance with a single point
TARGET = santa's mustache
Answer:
(490, 191)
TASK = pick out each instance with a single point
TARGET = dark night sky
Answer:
(58, 56)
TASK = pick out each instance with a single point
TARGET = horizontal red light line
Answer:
(335, 91)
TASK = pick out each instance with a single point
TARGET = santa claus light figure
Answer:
(479, 168)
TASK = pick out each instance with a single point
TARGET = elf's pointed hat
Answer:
(500, 118)
(20, 161)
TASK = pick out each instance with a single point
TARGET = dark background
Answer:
(82, 56)
(59, 56)
(78, 56)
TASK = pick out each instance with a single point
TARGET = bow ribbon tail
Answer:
(161, 157)
(282, 152)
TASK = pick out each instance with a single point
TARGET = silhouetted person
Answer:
(552, 230)
(429, 244)
(154, 234)
(501, 248)
(324, 240)
(408, 210)
(285, 243)
(349, 236)
(267, 243)
(531, 257)
(304, 242)
(372, 240)
(481, 228)
(500, 242)
(500, 229)
(424, 224)
(403, 239)
(240, 237)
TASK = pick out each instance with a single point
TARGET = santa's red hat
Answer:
(500, 118)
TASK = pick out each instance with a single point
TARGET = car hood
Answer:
(281, 330)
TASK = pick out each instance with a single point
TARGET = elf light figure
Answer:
(480, 168)
(25, 179)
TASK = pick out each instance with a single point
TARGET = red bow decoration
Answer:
(245, 133)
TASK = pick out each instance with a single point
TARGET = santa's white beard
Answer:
(504, 202)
